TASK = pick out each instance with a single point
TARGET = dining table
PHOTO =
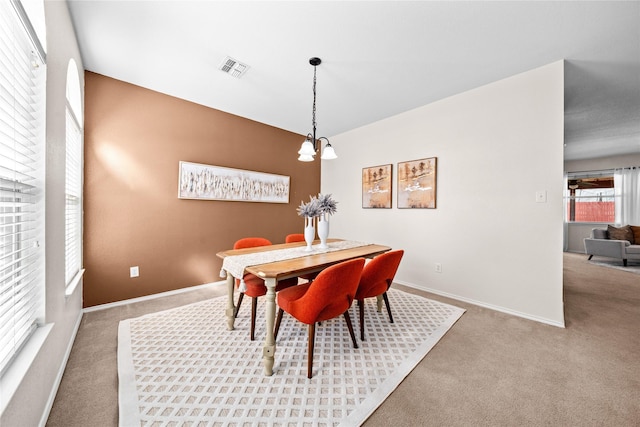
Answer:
(278, 262)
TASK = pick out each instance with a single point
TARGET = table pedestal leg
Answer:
(230, 307)
(269, 349)
(379, 303)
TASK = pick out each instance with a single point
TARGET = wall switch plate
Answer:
(541, 196)
(134, 271)
(438, 267)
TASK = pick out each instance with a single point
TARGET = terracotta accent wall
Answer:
(134, 139)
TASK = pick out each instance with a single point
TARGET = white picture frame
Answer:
(207, 182)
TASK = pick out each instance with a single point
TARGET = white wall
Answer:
(33, 398)
(496, 146)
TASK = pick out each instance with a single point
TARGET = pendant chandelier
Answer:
(309, 146)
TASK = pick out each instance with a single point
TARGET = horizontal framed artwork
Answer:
(417, 183)
(376, 186)
(206, 182)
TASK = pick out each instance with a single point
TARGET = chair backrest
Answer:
(296, 237)
(331, 293)
(378, 274)
(251, 242)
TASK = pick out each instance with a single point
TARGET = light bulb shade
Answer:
(305, 158)
(328, 153)
(306, 149)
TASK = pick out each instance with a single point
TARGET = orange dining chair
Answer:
(376, 280)
(295, 237)
(299, 237)
(328, 296)
(255, 285)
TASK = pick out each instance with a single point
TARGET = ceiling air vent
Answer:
(233, 67)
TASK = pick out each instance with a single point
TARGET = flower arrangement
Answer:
(310, 209)
(327, 204)
(320, 207)
(317, 206)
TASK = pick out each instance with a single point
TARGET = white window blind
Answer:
(73, 210)
(22, 92)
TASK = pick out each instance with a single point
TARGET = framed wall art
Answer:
(417, 183)
(376, 186)
(205, 182)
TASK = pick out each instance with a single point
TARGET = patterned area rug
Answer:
(182, 367)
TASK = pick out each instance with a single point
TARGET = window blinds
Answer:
(73, 191)
(22, 79)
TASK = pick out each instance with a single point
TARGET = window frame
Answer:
(575, 180)
(73, 182)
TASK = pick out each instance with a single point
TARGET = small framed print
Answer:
(376, 187)
(417, 184)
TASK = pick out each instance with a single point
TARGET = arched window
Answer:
(73, 181)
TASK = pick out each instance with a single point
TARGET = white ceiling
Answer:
(379, 58)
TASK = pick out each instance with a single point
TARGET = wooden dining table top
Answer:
(309, 263)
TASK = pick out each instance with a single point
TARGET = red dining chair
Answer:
(328, 296)
(376, 280)
(295, 237)
(255, 285)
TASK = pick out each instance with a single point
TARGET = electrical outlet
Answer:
(438, 267)
(134, 271)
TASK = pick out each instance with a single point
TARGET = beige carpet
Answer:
(183, 367)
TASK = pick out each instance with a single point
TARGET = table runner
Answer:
(236, 264)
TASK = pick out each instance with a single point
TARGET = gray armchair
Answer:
(599, 244)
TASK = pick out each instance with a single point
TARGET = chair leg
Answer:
(254, 311)
(590, 256)
(312, 339)
(350, 326)
(386, 301)
(624, 261)
(278, 320)
(235, 313)
(361, 310)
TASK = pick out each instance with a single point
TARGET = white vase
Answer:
(309, 233)
(323, 230)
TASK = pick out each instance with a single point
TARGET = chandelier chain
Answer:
(313, 112)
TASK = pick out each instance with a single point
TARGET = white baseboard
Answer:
(485, 305)
(150, 297)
